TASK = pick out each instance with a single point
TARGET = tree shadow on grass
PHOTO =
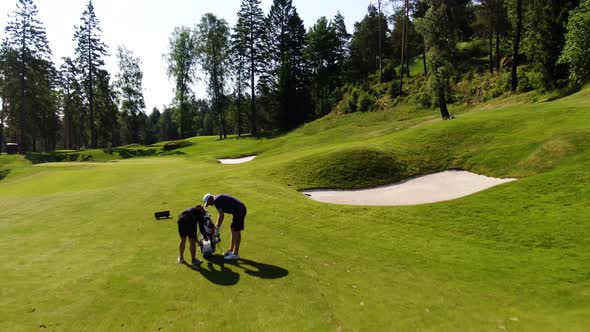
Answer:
(214, 270)
(4, 173)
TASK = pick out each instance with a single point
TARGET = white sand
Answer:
(429, 188)
(236, 161)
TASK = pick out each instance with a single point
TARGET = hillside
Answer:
(82, 251)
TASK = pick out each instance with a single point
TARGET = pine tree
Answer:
(286, 73)
(106, 122)
(364, 47)
(90, 51)
(516, 45)
(239, 70)
(440, 33)
(213, 48)
(182, 62)
(343, 38)
(30, 77)
(322, 54)
(130, 93)
(250, 31)
(72, 105)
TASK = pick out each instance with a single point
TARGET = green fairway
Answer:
(80, 248)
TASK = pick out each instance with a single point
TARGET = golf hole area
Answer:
(431, 188)
(242, 160)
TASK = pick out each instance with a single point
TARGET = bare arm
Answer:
(220, 218)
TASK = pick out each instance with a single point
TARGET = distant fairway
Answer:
(80, 249)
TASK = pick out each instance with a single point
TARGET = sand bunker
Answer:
(430, 188)
(236, 161)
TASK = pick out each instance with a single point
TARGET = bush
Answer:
(393, 91)
(365, 102)
(349, 100)
(388, 73)
(173, 145)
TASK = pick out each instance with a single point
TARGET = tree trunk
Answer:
(252, 87)
(442, 102)
(380, 71)
(498, 16)
(239, 106)
(406, 39)
(182, 111)
(239, 112)
(93, 136)
(491, 51)
(497, 51)
(516, 44)
(424, 57)
(2, 125)
(401, 73)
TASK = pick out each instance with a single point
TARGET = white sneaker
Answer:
(232, 257)
(180, 260)
(227, 253)
(196, 262)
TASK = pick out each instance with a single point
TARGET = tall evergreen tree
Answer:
(250, 31)
(440, 33)
(322, 52)
(72, 106)
(130, 92)
(213, 48)
(30, 77)
(239, 50)
(364, 47)
(90, 53)
(286, 72)
(182, 62)
(105, 98)
(420, 7)
(343, 37)
(516, 44)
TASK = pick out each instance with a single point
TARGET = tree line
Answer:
(270, 74)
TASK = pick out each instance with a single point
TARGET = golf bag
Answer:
(208, 240)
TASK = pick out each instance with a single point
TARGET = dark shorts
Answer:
(187, 228)
(237, 223)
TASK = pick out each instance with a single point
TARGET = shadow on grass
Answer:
(260, 270)
(215, 271)
(54, 157)
(4, 173)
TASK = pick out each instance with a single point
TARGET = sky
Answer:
(144, 26)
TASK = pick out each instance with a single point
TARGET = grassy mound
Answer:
(345, 169)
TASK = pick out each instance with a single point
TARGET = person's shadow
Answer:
(260, 270)
(217, 273)
(214, 270)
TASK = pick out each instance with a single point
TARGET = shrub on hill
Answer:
(173, 145)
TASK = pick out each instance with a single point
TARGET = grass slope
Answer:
(80, 249)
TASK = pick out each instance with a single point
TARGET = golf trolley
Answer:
(208, 241)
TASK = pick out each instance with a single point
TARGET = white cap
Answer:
(206, 198)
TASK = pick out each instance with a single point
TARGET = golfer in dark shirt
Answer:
(187, 227)
(229, 204)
